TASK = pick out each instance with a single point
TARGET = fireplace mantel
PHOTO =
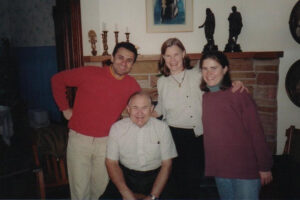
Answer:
(197, 56)
(257, 70)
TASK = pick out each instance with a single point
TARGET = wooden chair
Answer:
(292, 145)
(286, 167)
(49, 151)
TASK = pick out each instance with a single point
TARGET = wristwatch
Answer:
(153, 197)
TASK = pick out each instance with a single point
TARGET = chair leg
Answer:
(289, 134)
(41, 184)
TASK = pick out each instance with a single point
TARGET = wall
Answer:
(28, 23)
(29, 26)
(265, 29)
(4, 19)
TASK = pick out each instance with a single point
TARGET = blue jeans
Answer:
(238, 189)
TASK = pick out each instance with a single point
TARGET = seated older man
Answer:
(139, 153)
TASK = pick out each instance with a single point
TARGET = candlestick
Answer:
(127, 36)
(103, 26)
(104, 41)
(93, 39)
(116, 36)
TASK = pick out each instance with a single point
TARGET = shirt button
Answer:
(187, 96)
(191, 116)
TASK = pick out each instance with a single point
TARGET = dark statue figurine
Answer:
(209, 30)
(169, 9)
(235, 27)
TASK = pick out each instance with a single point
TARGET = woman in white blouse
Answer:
(180, 104)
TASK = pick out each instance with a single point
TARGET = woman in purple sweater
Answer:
(236, 152)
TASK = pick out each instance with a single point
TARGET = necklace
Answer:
(182, 79)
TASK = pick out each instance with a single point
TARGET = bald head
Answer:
(140, 94)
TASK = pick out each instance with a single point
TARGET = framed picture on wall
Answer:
(295, 22)
(169, 16)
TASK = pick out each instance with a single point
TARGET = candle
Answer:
(116, 27)
(104, 26)
(127, 31)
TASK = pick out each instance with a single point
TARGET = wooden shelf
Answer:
(197, 56)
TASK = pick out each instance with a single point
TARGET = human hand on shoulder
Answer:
(238, 85)
(68, 113)
(265, 177)
(155, 114)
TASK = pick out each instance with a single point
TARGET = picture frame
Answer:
(177, 16)
(294, 22)
(292, 83)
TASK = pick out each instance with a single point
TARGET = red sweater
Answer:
(234, 141)
(100, 98)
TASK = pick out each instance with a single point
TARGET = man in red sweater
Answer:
(102, 95)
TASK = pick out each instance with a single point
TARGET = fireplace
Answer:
(257, 70)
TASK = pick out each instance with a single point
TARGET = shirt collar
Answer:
(148, 124)
(114, 75)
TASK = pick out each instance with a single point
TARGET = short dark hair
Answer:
(127, 45)
(162, 64)
(220, 58)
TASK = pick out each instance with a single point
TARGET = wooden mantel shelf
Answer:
(197, 56)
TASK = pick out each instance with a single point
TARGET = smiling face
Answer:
(122, 62)
(212, 72)
(174, 59)
(140, 109)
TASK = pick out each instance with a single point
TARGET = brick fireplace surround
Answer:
(257, 70)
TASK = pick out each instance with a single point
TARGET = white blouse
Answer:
(181, 107)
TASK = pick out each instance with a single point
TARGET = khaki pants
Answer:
(87, 173)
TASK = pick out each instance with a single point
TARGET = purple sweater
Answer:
(235, 145)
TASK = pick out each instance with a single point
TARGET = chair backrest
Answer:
(292, 145)
(54, 168)
(49, 150)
